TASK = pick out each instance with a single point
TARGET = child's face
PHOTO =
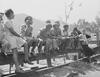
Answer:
(56, 26)
(66, 28)
(11, 16)
(29, 21)
(0, 19)
(49, 27)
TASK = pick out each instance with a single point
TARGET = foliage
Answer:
(97, 21)
(89, 26)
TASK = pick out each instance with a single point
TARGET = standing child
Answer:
(14, 39)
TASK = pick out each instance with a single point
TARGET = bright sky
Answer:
(53, 9)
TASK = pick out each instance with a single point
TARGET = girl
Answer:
(14, 39)
(1, 28)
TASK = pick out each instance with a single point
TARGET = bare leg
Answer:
(26, 50)
(31, 43)
(48, 54)
(42, 43)
(15, 58)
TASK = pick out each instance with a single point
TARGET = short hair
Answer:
(48, 21)
(75, 28)
(57, 22)
(49, 25)
(1, 14)
(55, 25)
(66, 26)
(28, 17)
(8, 12)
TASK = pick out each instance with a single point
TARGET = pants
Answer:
(87, 51)
(32, 43)
(41, 44)
(55, 44)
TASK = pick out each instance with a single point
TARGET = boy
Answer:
(26, 31)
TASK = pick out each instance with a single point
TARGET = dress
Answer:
(14, 41)
(1, 32)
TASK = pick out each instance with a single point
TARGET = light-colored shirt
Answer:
(56, 32)
(23, 29)
(44, 34)
(83, 38)
(1, 31)
(9, 24)
(65, 33)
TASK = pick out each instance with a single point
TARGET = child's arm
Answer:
(14, 32)
(9, 25)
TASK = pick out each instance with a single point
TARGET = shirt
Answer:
(26, 31)
(9, 24)
(83, 38)
(1, 28)
(44, 34)
(65, 33)
(56, 32)
(74, 33)
(1, 32)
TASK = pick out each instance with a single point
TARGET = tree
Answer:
(83, 24)
(98, 30)
(94, 27)
(97, 20)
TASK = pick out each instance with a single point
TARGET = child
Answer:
(65, 31)
(56, 33)
(1, 28)
(88, 52)
(26, 31)
(14, 39)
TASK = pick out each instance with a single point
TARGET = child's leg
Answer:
(55, 44)
(27, 53)
(15, 58)
(71, 44)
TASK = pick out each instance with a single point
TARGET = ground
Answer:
(83, 69)
(61, 72)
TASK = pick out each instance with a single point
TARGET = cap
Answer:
(48, 21)
(65, 26)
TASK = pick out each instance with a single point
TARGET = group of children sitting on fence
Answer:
(51, 37)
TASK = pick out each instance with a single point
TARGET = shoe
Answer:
(50, 66)
(28, 61)
(19, 70)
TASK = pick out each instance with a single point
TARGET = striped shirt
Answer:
(26, 31)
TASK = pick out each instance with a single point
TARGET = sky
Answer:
(54, 9)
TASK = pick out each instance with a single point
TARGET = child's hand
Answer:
(22, 37)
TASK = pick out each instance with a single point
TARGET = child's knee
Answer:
(25, 44)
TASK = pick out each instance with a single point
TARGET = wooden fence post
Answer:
(98, 37)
